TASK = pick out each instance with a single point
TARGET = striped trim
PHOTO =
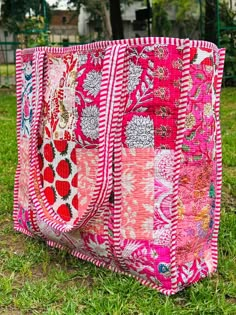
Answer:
(129, 42)
(100, 263)
(214, 242)
(18, 126)
(23, 230)
(116, 215)
(203, 44)
(38, 62)
(177, 159)
(105, 44)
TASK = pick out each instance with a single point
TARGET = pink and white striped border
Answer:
(18, 126)
(37, 81)
(129, 42)
(177, 159)
(105, 44)
(116, 239)
(17, 227)
(214, 241)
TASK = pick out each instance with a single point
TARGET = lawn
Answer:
(7, 75)
(36, 279)
(7, 69)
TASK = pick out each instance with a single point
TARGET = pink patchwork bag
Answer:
(119, 153)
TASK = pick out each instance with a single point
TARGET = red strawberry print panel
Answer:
(59, 174)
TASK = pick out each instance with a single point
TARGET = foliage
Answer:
(36, 279)
(227, 39)
(105, 25)
(183, 19)
(26, 20)
(210, 20)
(160, 22)
(14, 13)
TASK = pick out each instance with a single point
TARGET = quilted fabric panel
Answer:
(137, 193)
(153, 96)
(196, 209)
(87, 96)
(59, 116)
(26, 95)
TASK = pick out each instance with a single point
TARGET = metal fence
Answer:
(8, 59)
(7, 63)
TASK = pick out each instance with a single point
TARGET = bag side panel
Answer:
(198, 173)
(24, 81)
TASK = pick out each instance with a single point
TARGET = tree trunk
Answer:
(116, 20)
(106, 20)
(210, 21)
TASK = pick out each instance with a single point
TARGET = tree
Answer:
(210, 21)
(184, 19)
(26, 20)
(14, 13)
(116, 20)
(160, 21)
(109, 26)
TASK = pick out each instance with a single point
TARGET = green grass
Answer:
(36, 279)
(7, 69)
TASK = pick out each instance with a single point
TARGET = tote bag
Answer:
(119, 155)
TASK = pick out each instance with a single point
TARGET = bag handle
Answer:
(114, 78)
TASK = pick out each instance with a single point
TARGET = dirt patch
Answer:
(10, 311)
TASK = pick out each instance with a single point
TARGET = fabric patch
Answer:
(191, 272)
(59, 175)
(148, 261)
(196, 210)
(87, 97)
(137, 193)
(167, 88)
(138, 130)
(163, 187)
(96, 245)
(60, 116)
(23, 218)
(26, 98)
(87, 160)
(140, 78)
(24, 173)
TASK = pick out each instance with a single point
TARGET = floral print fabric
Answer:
(136, 238)
(137, 187)
(196, 209)
(26, 96)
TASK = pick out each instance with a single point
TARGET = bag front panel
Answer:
(149, 133)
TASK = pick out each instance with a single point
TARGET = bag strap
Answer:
(114, 75)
